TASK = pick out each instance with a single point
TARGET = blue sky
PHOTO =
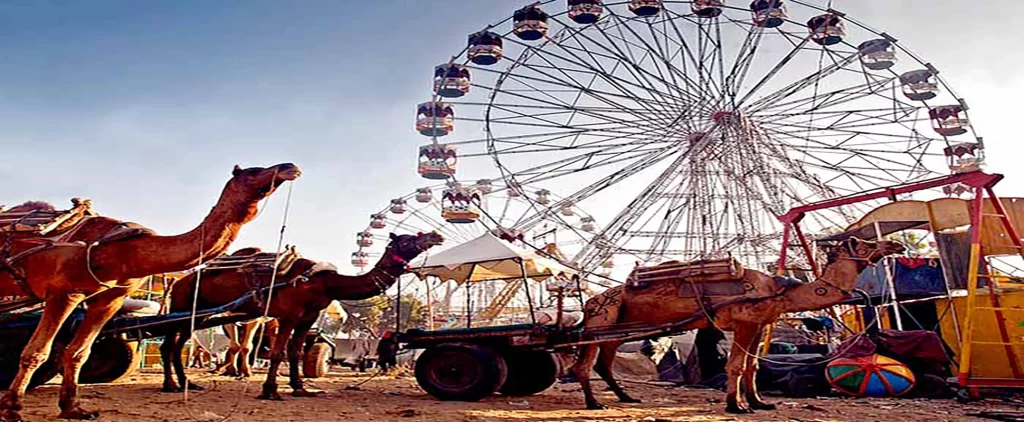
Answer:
(145, 106)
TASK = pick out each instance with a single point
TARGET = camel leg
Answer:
(604, 369)
(742, 337)
(276, 356)
(581, 370)
(101, 308)
(229, 366)
(36, 352)
(296, 352)
(166, 351)
(246, 334)
(185, 334)
(749, 381)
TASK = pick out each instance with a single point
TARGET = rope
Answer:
(266, 310)
(361, 383)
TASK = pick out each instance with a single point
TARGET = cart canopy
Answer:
(488, 258)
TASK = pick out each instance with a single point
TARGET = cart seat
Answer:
(254, 260)
(699, 271)
(41, 219)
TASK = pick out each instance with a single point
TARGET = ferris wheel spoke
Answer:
(612, 179)
(664, 63)
(577, 62)
(561, 168)
(647, 111)
(792, 89)
(836, 97)
(641, 74)
(771, 73)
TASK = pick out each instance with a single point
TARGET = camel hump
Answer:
(247, 251)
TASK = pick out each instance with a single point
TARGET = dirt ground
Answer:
(388, 398)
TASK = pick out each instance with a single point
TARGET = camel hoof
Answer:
(306, 393)
(170, 389)
(275, 396)
(596, 406)
(195, 387)
(630, 400)
(737, 410)
(270, 393)
(229, 373)
(762, 406)
(77, 413)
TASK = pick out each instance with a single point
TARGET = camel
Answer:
(296, 306)
(746, 314)
(104, 271)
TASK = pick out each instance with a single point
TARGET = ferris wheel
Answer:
(463, 213)
(687, 126)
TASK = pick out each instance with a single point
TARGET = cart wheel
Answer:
(318, 360)
(529, 373)
(460, 371)
(111, 359)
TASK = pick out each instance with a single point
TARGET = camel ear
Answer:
(236, 171)
(393, 236)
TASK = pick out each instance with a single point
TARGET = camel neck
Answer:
(364, 286)
(147, 255)
(827, 290)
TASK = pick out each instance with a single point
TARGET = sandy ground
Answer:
(398, 398)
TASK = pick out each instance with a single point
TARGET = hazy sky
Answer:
(146, 106)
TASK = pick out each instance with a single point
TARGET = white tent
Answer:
(488, 258)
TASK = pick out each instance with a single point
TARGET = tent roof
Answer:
(487, 258)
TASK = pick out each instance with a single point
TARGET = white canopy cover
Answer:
(488, 258)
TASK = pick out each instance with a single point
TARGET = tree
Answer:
(377, 314)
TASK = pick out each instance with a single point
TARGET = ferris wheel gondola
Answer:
(688, 126)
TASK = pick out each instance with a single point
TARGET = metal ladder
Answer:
(978, 219)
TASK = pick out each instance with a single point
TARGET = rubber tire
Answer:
(11, 361)
(460, 371)
(317, 361)
(111, 359)
(529, 373)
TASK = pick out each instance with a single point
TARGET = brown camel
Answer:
(103, 272)
(663, 302)
(296, 305)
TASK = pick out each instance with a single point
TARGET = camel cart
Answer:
(468, 364)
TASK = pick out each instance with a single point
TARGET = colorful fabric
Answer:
(870, 376)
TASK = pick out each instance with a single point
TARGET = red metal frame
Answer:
(982, 184)
(977, 179)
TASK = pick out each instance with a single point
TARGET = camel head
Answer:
(864, 252)
(406, 247)
(257, 183)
